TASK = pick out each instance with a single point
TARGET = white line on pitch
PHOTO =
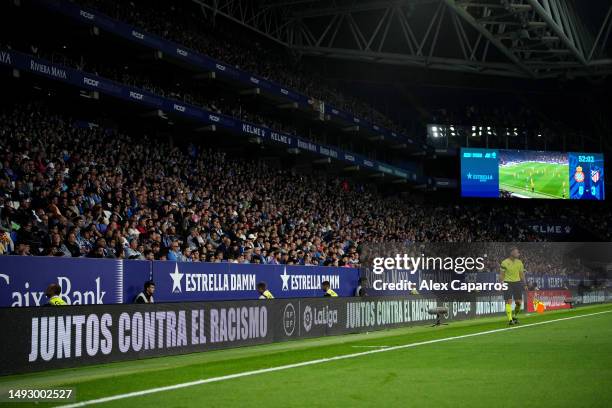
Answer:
(370, 346)
(311, 362)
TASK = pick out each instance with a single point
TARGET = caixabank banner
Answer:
(24, 279)
(46, 338)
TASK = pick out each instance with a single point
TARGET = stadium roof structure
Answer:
(515, 38)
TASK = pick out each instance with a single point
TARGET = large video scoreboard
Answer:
(532, 174)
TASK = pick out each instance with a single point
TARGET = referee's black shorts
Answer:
(515, 290)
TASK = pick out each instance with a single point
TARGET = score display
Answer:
(532, 174)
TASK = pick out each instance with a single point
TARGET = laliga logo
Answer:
(307, 318)
(321, 317)
(461, 307)
(177, 277)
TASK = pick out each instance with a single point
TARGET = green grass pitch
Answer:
(567, 363)
(550, 180)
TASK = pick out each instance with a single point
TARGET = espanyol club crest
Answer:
(595, 175)
(579, 175)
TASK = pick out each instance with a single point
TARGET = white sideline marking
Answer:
(311, 362)
(370, 346)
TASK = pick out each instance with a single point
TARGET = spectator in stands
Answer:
(223, 209)
(174, 253)
(132, 251)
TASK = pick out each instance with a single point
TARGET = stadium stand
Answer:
(142, 197)
(230, 47)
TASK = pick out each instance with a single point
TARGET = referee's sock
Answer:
(509, 311)
(517, 309)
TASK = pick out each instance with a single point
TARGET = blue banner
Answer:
(150, 100)
(208, 64)
(184, 281)
(479, 173)
(23, 280)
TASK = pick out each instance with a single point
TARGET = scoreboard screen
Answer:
(532, 174)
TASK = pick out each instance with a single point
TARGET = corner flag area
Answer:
(549, 358)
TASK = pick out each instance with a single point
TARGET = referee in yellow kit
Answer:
(513, 274)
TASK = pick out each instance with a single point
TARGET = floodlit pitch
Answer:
(549, 360)
(535, 180)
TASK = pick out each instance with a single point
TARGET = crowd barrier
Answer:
(23, 280)
(46, 338)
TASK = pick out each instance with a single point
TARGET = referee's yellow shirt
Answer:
(512, 269)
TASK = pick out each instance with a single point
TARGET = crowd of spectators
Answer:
(69, 190)
(177, 22)
(221, 104)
